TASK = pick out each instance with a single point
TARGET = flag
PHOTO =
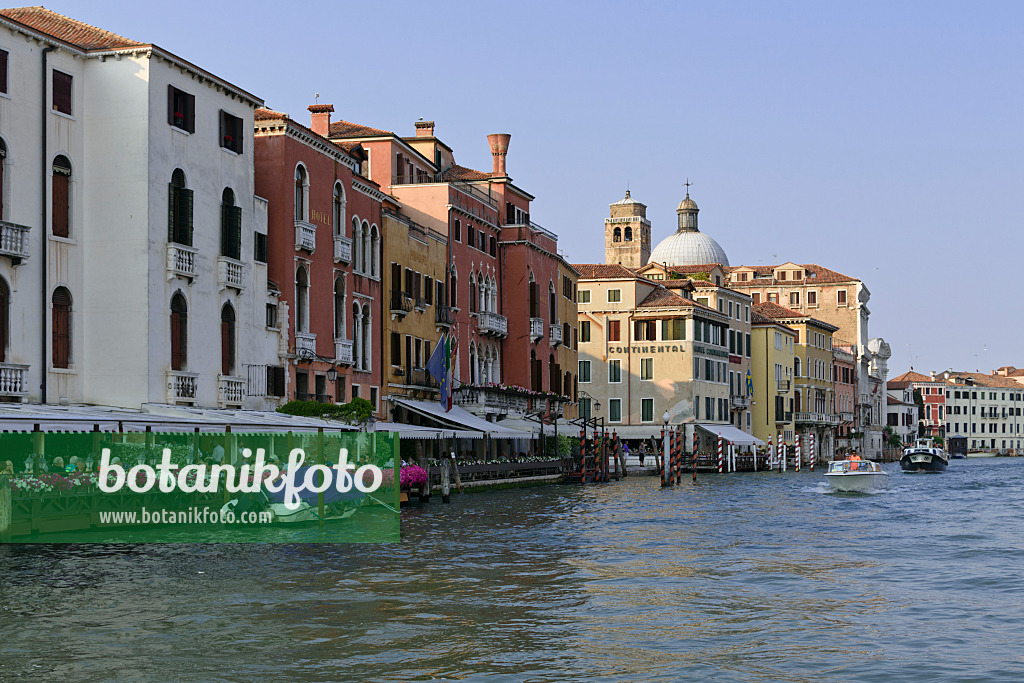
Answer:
(750, 384)
(436, 365)
(440, 366)
(452, 356)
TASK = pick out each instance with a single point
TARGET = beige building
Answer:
(627, 234)
(774, 345)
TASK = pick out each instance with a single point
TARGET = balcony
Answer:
(230, 273)
(493, 324)
(536, 328)
(740, 402)
(342, 249)
(846, 417)
(784, 417)
(319, 398)
(783, 385)
(305, 236)
(420, 303)
(13, 380)
(420, 377)
(490, 400)
(443, 316)
(401, 304)
(14, 241)
(817, 418)
(230, 391)
(181, 261)
(555, 333)
(182, 386)
(305, 343)
(343, 351)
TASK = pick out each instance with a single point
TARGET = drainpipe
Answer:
(42, 224)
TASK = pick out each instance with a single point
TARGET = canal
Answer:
(749, 577)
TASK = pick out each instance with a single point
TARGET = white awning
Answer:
(419, 432)
(462, 418)
(731, 434)
(635, 431)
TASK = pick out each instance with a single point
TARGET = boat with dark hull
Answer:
(924, 456)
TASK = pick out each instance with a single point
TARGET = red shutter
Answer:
(226, 347)
(60, 205)
(176, 360)
(61, 331)
(3, 71)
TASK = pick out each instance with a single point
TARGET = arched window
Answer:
(357, 335)
(552, 304)
(374, 251)
(61, 327)
(357, 245)
(796, 367)
(567, 385)
(301, 300)
(453, 291)
(617, 235)
(227, 340)
(339, 308)
(301, 193)
(472, 360)
(484, 293)
(5, 318)
(364, 257)
(179, 332)
(60, 215)
(472, 292)
(3, 169)
(366, 338)
(629, 234)
(179, 221)
(339, 210)
(534, 297)
(230, 226)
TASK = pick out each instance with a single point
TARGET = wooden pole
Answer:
(445, 484)
(320, 477)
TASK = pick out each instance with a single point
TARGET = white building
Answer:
(901, 411)
(127, 255)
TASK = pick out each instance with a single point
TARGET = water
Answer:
(749, 577)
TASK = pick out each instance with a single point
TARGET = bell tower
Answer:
(627, 234)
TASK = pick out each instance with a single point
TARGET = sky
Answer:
(878, 139)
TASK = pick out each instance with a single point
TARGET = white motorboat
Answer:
(856, 476)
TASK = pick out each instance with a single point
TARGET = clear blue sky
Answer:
(882, 140)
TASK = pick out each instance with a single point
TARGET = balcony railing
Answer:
(401, 303)
(13, 380)
(305, 236)
(536, 328)
(420, 303)
(555, 333)
(305, 343)
(14, 241)
(443, 316)
(230, 273)
(846, 417)
(783, 385)
(490, 400)
(181, 260)
(420, 377)
(784, 417)
(230, 390)
(182, 386)
(493, 323)
(343, 351)
(740, 402)
(319, 398)
(817, 418)
(342, 249)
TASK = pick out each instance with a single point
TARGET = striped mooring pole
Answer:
(719, 453)
(798, 454)
(771, 454)
(666, 464)
(780, 455)
(812, 451)
(693, 460)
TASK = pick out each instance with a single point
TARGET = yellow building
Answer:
(772, 369)
(567, 351)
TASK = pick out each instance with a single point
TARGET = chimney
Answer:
(933, 374)
(320, 118)
(424, 129)
(499, 148)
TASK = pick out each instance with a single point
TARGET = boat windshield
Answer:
(853, 466)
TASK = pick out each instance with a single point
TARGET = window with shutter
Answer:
(3, 71)
(179, 332)
(230, 132)
(62, 92)
(61, 328)
(181, 109)
(60, 197)
(5, 314)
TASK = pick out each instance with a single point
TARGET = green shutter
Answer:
(187, 197)
(235, 231)
(171, 201)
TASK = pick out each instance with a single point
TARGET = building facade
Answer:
(774, 345)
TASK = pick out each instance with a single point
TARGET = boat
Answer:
(924, 456)
(856, 476)
(337, 505)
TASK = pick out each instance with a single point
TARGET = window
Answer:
(227, 340)
(179, 221)
(181, 109)
(62, 92)
(339, 308)
(794, 298)
(179, 332)
(584, 331)
(230, 226)
(374, 251)
(493, 247)
(584, 373)
(756, 297)
(583, 296)
(301, 300)
(673, 330)
(615, 410)
(614, 371)
(61, 328)
(3, 161)
(614, 296)
(275, 380)
(457, 230)
(812, 298)
(230, 132)
(60, 199)
(617, 235)
(646, 368)
(272, 317)
(3, 71)
(841, 297)
(613, 330)
(396, 349)
(260, 248)
(647, 410)
(774, 298)
(5, 317)
(338, 215)
(645, 330)
(301, 192)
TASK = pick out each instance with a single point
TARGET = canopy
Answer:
(419, 432)
(635, 431)
(730, 434)
(462, 418)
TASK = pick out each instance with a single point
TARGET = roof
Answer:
(982, 380)
(910, 376)
(889, 400)
(603, 271)
(772, 310)
(347, 129)
(264, 114)
(760, 319)
(697, 268)
(625, 200)
(77, 33)
(457, 172)
(814, 273)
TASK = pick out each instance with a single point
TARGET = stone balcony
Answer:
(182, 387)
(740, 402)
(14, 241)
(846, 417)
(820, 419)
(343, 351)
(493, 324)
(305, 343)
(230, 273)
(536, 329)
(230, 391)
(181, 260)
(555, 334)
(305, 236)
(342, 249)
(490, 400)
(13, 380)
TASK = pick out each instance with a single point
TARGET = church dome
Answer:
(688, 248)
(687, 204)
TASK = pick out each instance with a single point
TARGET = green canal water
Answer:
(749, 577)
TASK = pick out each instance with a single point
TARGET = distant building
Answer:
(774, 346)
(901, 412)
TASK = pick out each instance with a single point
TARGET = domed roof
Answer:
(625, 200)
(687, 204)
(688, 248)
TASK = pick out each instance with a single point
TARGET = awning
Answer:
(418, 432)
(461, 417)
(635, 431)
(731, 434)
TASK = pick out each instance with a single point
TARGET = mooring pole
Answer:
(446, 486)
(811, 444)
(696, 442)
(719, 453)
(798, 453)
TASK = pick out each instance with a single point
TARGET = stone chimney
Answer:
(320, 118)
(424, 129)
(933, 374)
(499, 148)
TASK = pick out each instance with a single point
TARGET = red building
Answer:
(324, 255)
(933, 395)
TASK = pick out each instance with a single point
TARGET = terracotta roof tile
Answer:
(602, 271)
(983, 380)
(689, 270)
(347, 129)
(350, 148)
(761, 319)
(457, 172)
(772, 310)
(911, 376)
(65, 29)
(814, 274)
